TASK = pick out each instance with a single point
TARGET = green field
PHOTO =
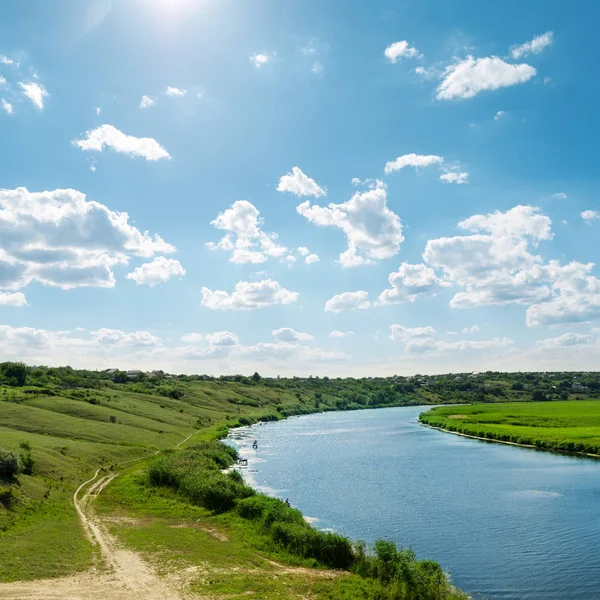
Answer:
(572, 426)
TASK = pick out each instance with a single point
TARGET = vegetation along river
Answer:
(509, 523)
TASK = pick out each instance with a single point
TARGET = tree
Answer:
(15, 373)
(256, 377)
(10, 464)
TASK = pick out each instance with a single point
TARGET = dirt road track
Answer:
(128, 577)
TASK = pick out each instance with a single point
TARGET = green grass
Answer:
(571, 426)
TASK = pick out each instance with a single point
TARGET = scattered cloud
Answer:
(590, 215)
(110, 137)
(317, 67)
(300, 184)
(410, 282)
(559, 196)
(500, 115)
(161, 269)
(12, 299)
(61, 239)
(535, 46)
(431, 346)
(465, 79)
(339, 335)
(260, 59)
(8, 107)
(286, 334)
(412, 160)
(473, 329)
(248, 296)
(98, 110)
(348, 301)
(244, 237)
(146, 102)
(8, 61)
(222, 338)
(399, 50)
(175, 91)
(455, 177)
(192, 338)
(567, 340)
(36, 92)
(311, 258)
(373, 231)
(399, 332)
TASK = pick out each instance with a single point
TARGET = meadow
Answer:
(571, 426)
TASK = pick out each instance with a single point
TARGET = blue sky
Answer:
(216, 186)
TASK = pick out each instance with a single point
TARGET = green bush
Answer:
(10, 464)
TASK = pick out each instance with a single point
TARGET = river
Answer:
(508, 523)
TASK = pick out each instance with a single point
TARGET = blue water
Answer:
(508, 523)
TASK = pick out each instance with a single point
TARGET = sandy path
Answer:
(128, 576)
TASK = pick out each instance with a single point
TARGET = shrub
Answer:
(10, 464)
(112, 418)
(28, 462)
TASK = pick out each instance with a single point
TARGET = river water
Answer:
(508, 523)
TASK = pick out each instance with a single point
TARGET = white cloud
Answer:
(303, 251)
(494, 264)
(348, 301)
(192, 338)
(373, 231)
(98, 111)
(120, 338)
(7, 61)
(222, 338)
(287, 334)
(260, 59)
(499, 115)
(399, 50)
(8, 107)
(248, 296)
(455, 177)
(317, 67)
(61, 239)
(174, 91)
(111, 137)
(590, 215)
(429, 345)
(311, 258)
(535, 46)
(12, 299)
(36, 92)
(410, 282)
(300, 184)
(467, 78)
(559, 196)
(473, 329)
(146, 102)
(567, 340)
(412, 160)
(338, 335)
(2, 80)
(399, 332)
(244, 237)
(161, 269)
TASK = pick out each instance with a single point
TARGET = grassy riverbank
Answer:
(572, 426)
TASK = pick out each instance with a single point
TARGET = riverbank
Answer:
(571, 427)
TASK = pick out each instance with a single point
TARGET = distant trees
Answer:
(13, 373)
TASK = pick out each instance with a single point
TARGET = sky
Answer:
(339, 188)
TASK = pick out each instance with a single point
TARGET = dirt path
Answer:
(128, 577)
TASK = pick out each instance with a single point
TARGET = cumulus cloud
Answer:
(36, 92)
(567, 340)
(535, 46)
(161, 269)
(120, 338)
(590, 215)
(455, 177)
(410, 282)
(300, 184)
(287, 334)
(248, 296)
(412, 160)
(8, 107)
(174, 91)
(192, 338)
(473, 329)
(338, 335)
(60, 238)
(373, 230)
(399, 50)
(429, 345)
(470, 76)
(12, 299)
(399, 332)
(110, 137)
(146, 102)
(7, 61)
(244, 237)
(222, 338)
(311, 258)
(348, 301)
(259, 59)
